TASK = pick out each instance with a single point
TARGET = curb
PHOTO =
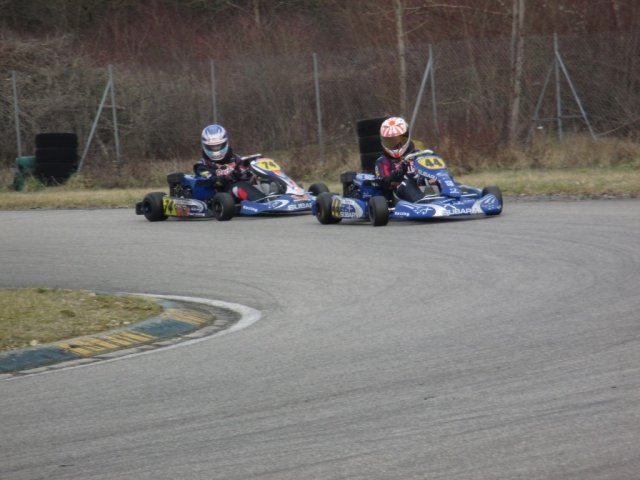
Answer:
(182, 318)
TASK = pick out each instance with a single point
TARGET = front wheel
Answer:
(317, 188)
(323, 209)
(378, 211)
(223, 206)
(153, 206)
(496, 192)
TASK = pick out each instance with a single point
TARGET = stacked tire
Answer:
(56, 157)
(368, 131)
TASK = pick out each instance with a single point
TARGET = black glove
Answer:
(400, 171)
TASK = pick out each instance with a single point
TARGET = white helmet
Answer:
(394, 136)
(215, 142)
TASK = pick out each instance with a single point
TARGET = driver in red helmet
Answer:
(397, 173)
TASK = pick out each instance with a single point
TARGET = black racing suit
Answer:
(395, 176)
(231, 174)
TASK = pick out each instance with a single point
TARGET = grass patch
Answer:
(578, 182)
(35, 316)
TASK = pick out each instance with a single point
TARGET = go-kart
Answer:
(363, 197)
(195, 196)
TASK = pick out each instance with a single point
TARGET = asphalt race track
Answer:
(495, 348)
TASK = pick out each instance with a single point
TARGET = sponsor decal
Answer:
(181, 207)
(458, 211)
(346, 208)
(299, 206)
(278, 204)
(251, 209)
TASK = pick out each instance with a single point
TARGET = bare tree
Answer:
(517, 62)
(402, 54)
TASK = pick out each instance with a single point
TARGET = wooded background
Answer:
(491, 58)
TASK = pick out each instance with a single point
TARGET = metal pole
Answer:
(421, 90)
(575, 95)
(213, 92)
(540, 98)
(318, 109)
(116, 137)
(433, 93)
(557, 75)
(16, 112)
(95, 124)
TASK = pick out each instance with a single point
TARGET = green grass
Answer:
(35, 316)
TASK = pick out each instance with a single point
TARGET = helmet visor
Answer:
(216, 148)
(395, 143)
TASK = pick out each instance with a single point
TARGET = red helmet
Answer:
(394, 136)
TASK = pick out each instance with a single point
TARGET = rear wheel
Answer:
(153, 208)
(323, 209)
(317, 188)
(496, 192)
(223, 206)
(378, 211)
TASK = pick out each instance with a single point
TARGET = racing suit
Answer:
(396, 176)
(231, 174)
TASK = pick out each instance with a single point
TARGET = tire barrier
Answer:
(368, 131)
(56, 140)
(56, 157)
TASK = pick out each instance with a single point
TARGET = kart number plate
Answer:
(267, 164)
(431, 162)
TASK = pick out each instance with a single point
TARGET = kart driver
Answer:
(397, 173)
(228, 171)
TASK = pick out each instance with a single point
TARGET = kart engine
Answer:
(176, 189)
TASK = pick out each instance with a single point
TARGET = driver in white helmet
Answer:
(229, 172)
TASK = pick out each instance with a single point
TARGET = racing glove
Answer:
(225, 172)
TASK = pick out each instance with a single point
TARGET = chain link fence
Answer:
(270, 104)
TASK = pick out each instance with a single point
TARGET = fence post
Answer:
(433, 93)
(557, 66)
(428, 71)
(95, 124)
(16, 112)
(213, 92)
(556, 71)
(573, 89)
(116, 136)
(318, 109)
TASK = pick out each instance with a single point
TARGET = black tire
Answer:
(323, 209)
(152, 207)
(496, 192)
(54, 173)
(369, 144)
(223, 205)
(368, 162)
(378, 211)
(56, 140)
(317, 188)
(56, 155)
(369, 126)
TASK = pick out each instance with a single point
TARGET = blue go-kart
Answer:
(363, 197)
(194, 196)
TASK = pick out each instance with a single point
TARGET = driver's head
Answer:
(394, 136)
(215, 142)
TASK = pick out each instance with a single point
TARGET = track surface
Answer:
(497, 348)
